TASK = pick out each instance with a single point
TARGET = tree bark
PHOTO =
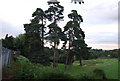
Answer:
(42, 42)
(67, 58)
(55, 61)
(80, 60)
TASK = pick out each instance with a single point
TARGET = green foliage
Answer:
(55, 12)
(99, 53)
(56, 74)
(54, 33)
(85, 77)
(24, 69)
(100, 73)
(34, 38)
(75, 16)
(21, 59)
(39, 14)
(75, 37)
(27, 70)
(62, 58)
(19, 43)
(8, 42)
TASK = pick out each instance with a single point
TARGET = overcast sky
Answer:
(100, 19)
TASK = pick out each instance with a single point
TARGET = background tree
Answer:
(80, 49)
(8, 42)
(54, 14)
(19, 43)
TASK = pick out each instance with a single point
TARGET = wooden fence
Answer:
(6, 56)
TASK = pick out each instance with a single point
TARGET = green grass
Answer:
(110, 67)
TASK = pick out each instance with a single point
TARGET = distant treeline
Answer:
(18, 44)
(99, 53)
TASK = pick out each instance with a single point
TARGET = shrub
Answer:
(85, 77)
(99, 73)
(24, 69)
(56, 74)
(21, 59)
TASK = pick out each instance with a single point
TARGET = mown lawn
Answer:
(110, 67)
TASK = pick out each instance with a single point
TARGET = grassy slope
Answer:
(110, 66)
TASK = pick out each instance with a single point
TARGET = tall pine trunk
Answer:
(42, 42)
(55, 60)
(67, 59)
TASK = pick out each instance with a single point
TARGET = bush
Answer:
(85, 77)
(99, 73)
(24, 69)
(56, 74)
(21, 59)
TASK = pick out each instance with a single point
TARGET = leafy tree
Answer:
(8, 42)
(54, 14)
(19, 43)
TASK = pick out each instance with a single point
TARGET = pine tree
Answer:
(75, 37)
(54, 14)
(35, 38)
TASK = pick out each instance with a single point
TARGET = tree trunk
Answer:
(55, 61)
(70, 59)
(67, 57)
(42, 42)
(80, 60)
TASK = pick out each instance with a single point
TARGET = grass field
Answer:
(110, 67)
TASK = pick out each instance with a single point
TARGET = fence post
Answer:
(0, 60)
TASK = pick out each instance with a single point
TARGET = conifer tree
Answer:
(75, 37)
(54, 14)
(35, 38)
